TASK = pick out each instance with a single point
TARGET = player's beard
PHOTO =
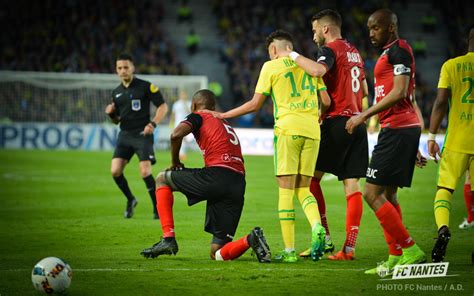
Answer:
(320, 40)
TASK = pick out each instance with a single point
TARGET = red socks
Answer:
(233, 250)
(391, 222)
(469, 202)
(393, 247)
(164, 203)
(353, 216)
(315, 189)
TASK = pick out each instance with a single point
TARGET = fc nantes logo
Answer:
(153, 88)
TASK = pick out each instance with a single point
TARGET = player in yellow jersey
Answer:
(455, 88)
(297, 136)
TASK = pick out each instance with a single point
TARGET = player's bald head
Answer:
(384, 17)
(204, 99)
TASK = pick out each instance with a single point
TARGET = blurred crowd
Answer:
(245, 24)
(85, 36)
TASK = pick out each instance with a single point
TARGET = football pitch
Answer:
(66, 204)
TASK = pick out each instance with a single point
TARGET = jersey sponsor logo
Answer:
(304, 105)
(136, 105)
(379, 92)
(153, 88)
(227, 157)
(371, 173)
(353, 57)
(400, 69)
(118, 95)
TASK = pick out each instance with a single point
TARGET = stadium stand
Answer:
(85, 36)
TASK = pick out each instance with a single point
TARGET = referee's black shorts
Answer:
(340, 153)
(129, 143)
(222, 188)
(394, 156)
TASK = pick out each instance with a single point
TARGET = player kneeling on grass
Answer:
(221, 183)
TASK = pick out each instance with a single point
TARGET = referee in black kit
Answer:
(131, 108)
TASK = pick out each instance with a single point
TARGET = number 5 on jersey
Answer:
(234, 140)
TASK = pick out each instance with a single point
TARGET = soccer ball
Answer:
(51, 275)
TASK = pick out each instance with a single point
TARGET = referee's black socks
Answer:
(150, 186)
(123, 185)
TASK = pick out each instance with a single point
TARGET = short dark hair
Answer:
(279, 35)
(205, 98)
(329, 13)
(124, 57)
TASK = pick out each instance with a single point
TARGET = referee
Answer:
(130, 107)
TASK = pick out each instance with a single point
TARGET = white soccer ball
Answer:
(51, 275)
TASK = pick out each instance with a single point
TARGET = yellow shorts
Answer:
(452, 167)
(295, 155)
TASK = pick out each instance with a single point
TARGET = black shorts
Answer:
(222, 188)
(340, 153)
(129, 143)
(394, 156)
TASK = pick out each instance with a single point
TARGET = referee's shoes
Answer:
(131, 204)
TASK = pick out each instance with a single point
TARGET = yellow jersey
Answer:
(294, 95)
(457, 74)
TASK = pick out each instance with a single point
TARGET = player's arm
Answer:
(309, 66)
(418, 112)
(324, 63)
(401, 61)
(250, 106)
(192, 122)
(398, 93)
(182, 130)
(440, 107)
(325, 100)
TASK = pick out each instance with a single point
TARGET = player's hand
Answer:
(420, 160)
(110, 108)
(354, 122)
(433, 150)
(213, 113)
(176, 167)
(148, 130)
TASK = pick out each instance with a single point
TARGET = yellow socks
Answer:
(309, 205)
(286, 213)
(442, 207)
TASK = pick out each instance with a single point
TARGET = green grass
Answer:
(66, 204)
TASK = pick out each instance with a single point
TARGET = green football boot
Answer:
(287, 257)
(318, 237)
(385, 268)
(412, 255)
